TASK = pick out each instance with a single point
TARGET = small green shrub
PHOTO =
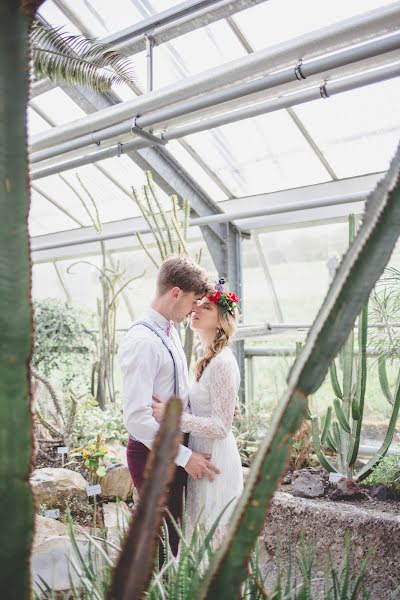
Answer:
(64, 347)
(387, 472)
(91, 420)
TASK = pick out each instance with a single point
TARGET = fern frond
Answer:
(76, 60)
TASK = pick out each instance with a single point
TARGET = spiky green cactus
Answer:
(348, 293)
(133, 570)
(343, 435)
(16, 504)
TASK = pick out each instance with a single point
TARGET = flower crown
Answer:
(228, 301)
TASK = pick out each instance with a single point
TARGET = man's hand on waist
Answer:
(199, 465)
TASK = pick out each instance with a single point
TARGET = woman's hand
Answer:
(158, 408)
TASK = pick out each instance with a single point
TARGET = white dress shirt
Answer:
(148, 369)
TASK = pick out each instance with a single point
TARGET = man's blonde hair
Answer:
(181, 271)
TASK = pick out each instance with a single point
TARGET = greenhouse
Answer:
(200, 291)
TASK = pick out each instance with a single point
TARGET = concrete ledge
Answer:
(324, 524)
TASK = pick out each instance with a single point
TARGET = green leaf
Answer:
(75, 60)
(101, 471)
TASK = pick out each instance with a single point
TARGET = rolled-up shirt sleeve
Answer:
(140, 360)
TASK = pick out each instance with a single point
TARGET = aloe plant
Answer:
(16, 503)
(349, 291)
(343, 435)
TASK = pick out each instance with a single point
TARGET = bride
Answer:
(212, 400)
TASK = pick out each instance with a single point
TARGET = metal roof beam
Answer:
(163, 27)
(267, 61)
(309, 94)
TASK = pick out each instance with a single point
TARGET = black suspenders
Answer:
(176, 382)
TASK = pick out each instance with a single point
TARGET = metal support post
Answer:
(234, 275)
(268, 277)
(150, 64)
(250, 381)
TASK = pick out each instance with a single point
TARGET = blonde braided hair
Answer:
(227, 328)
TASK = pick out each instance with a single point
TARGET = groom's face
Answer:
(184, 304)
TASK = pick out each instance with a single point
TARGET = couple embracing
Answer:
(154, 368)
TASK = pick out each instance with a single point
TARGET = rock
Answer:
(115, 450)
(116, 521)
(347, 489)
(287, 480)
(308, 485)
(382, 492)
(117, 483)
(54, 487)
(51, 552)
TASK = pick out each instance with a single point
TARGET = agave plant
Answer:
(76, 60)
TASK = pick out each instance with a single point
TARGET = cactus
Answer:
(343, 435)
(169, 232)
(16, 503)
(359, 270)
(112, 284)
(133, 570)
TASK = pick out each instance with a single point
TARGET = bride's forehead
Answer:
(205, 301)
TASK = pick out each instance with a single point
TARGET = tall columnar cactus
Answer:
(133, 570)
(16, 504)
(169, 229)
(349, 291)
(343, 434)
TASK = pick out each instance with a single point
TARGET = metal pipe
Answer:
(213, 219)
(329, 88)
(251, 331)
(300, 70)
(329, 39)
(287, 351)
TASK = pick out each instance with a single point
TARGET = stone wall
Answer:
(324, 523)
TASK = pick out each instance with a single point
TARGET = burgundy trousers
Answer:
(137, 455)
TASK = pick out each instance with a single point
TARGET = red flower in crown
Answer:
(215, 297)
(232, 296)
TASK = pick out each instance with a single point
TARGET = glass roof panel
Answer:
(36, 124)
(57, 18)
(180, 58)
(45, 282)
(101, 17)
(262, 154)
(196, 171)
(45, 218)
(358, 131)
(278, 21)
(58, 106)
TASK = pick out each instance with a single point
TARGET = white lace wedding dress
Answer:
(212, 401)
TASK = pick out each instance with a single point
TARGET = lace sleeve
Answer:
(223, 389)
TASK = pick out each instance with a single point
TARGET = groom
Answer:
(153, 362)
